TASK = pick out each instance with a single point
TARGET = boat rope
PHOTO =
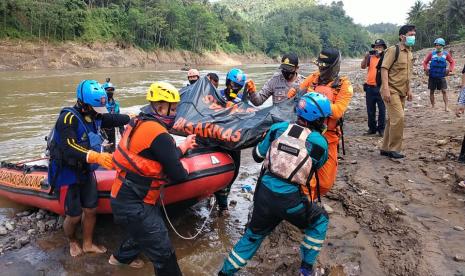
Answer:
(174, 229)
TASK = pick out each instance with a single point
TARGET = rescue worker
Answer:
(438, 71)
(146, 159)
(214, 79)
(75, 146)
(113, 107)
(236, 79)
(280, 83)
(292, 153)
(371, 88)
(339, 91)
(193, 75)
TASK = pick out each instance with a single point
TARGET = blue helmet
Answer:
(108, 86)
(91, 92)
(440, 41)
(237, 76)
(313, 106)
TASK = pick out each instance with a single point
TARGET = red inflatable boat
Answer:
(210, 171)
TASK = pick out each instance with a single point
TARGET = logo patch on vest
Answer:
(288, 149)
(214, 160)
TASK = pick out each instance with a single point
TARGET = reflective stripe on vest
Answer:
(288, 157)
(438, 65)
(127, 161)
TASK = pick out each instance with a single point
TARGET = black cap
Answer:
(289, 62)
(379, 42)
(328, 55)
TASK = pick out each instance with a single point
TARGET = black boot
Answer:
(169, 268)
(462, 152)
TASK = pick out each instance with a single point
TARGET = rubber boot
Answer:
(462, 152)
(170, 268)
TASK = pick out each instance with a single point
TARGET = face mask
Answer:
(410, 40)
(439, 49)
(192, 81)
(329, 73)
(288, 75)
(165, 119)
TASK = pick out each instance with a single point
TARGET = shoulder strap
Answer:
(395, 58)
(397, 54)
(336, 85)
(78, 116)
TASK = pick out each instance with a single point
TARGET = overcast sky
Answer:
(367, 12)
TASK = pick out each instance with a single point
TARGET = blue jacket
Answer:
(279, 185)
(113, 106)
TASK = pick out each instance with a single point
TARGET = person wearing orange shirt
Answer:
(339, 91)
(373, 97)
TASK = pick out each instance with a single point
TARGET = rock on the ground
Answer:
(458, 228)
(394, 210)
(31, 232)
(39, 216)
(441, 142)
(41, 226)
(9, 225)
(23, 240)
(60, 221)
(328, 208)
(3, 231)
(51, 223)
(459, 258)
(23, 214)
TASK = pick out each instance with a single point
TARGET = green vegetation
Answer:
(441, 18)
(300, 26)
(386, 31)
(269, 26)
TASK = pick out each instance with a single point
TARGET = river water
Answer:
(30, 102)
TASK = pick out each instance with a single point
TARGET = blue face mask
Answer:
(410, 40)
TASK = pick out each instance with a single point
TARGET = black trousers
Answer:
(145, 233)
(462, 151)
(373, 99)
(222, 195)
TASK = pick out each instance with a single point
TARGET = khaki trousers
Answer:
(394, 131)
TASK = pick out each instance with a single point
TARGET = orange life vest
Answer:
(137, 137)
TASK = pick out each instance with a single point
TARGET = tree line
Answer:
(439, 18)
(272, 27)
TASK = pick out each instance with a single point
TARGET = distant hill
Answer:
(257, 10)
(382, 28)
(386, 31)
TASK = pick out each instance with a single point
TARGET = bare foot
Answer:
(137, 263)
(99, 249)
(74, 249)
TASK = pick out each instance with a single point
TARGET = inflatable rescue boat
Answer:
(210, 171)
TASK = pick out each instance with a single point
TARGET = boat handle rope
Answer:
(174, 229)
